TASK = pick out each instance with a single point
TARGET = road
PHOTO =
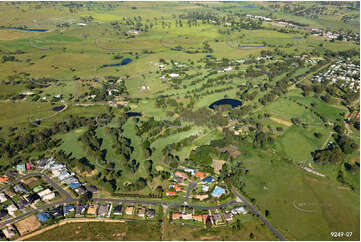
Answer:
(191, 185)
(69, 199)
(254, 210)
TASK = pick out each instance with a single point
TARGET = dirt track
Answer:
(80, 220)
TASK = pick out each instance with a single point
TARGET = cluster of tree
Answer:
(333, 155)
(261, 139)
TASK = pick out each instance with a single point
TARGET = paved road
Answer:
(191, 185)
(164, 203)
(254, 210)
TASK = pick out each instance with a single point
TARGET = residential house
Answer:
(129, 210)
(3, 214)
(20, 167)
(217, 218)
(239, 210)
(80, 190)
(92, 210)
(218, 192)
(118, 210)
(201, 174)
(2, 197)
(228, 216)
(170, 193)
(4, 179)
(189, 170)
(57, 212)
(63, 176)
(201, 197)
(104, 210)
(208, 179)
(150, 213)
(20, 189)
(180, 174)
(33, 198)
(9, 232)
(79, 209)
(22, 203)
(187, 216)
(12, 209)
(12, 174)
(207, 218)
(176, 216)
(74, 185)
(67, 209)
(28, 166)
(43, 216)
(10, 193)
(205, 188)
(197, 218)
(48, 197)
(70, 180)
(45, 192)
(179, 180)
(178, 188)
(141, 212)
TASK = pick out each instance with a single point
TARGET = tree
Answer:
(86, 197)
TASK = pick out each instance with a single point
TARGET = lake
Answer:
(226, 101)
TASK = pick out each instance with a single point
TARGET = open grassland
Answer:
(131, 231)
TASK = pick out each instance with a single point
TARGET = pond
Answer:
(133, 114)
(226, 101)
(251, 6)
(58, 108)
(126, 61)
(209, 56)
(24, 29)
(123, 63)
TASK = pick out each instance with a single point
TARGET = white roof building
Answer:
(2, 197)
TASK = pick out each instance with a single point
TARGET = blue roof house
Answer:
(218, 191)
(43, 216)
(208, 179)
(75, 185)
(67, 209)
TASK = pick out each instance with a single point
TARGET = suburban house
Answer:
(67, 209)
(197, 218)
(180, 174)
(217, 218)
(43, 216)
(176, 216)
(201, 174)
(3, 214)
(4, 179)
(129, 210)
(201, 197)
(205, 188)
(118, 210)
(104, 210)
(9, 232)
(178, 188)
(208, 179)
(79, 209)
(189, 170)
(48, 197)
(239, 210)
(228, 216)
(20, 189)
(218, 192)
(80, 190)
(20, 167)
(74, 185)
(57, 212)
(33, 198)
(11, 209)
(150, 213)
(22, 203)
(10, 193)
(141, 212)
(187, 216)
(2, 197)
(170, 193)
(92, 210)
